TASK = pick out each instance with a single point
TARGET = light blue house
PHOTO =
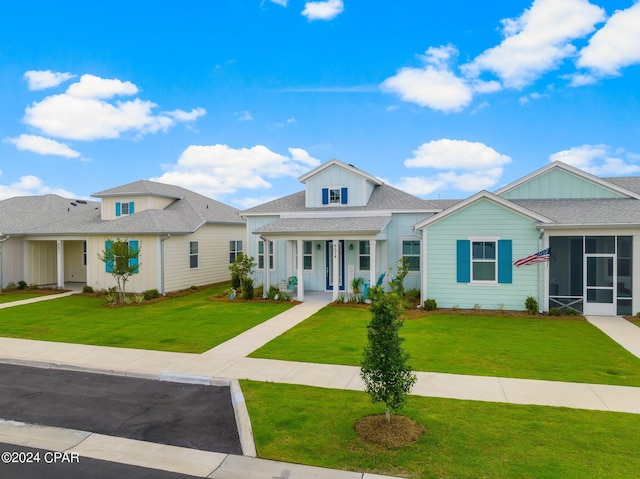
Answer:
(347, 223)
(344, 225)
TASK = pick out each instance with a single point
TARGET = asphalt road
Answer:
(187, 415)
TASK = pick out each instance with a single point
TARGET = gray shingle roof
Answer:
(352, 224)
(52, 214)
(631, 183)
(614, 211)
(383, 198)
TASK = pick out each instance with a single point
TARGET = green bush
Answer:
(531, 305)
(555, 312)
(22, 285)
(151, 294)
(571, 312)
(11, 286)
(247, 288)
(430, 304)
(87, 289)
(273, 292)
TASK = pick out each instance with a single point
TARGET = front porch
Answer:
(59, 263)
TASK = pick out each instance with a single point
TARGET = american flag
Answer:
(539, 257)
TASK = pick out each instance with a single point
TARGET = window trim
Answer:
(484, 239)
(266, 255)
(402, 255)
(193, 255)
(310, 255)
(235, 248)
(363, 255)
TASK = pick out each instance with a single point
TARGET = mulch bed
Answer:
(397, 433)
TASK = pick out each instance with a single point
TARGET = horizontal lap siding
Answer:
(483, 218)
(213, 256)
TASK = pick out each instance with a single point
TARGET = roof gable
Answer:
(483, 195)
(561, 181)
(332, 162)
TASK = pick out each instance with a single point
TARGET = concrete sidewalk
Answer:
(44, 297)
(620, 330)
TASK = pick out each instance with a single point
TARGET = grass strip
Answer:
(464, 438)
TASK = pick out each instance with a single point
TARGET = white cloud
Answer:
(615, 45)
(30, 185)
(599, 160)
(537, 41)
(83, 112)
(40, 80)
(43, 146)
(215, 170)
(435, 85)
(282, 3)
(243, 115)
(470, 166)
(326, 10)
(523, 100)
(446, 154)
(249, 202)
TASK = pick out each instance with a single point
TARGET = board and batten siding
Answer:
(558, 184)
(146, 278)
(336, 176)
(398, 230)
(12, 261)
(213, 256)
(108, 209)
(481, 219)
(74, 269)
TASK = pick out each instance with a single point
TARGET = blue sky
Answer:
(237, 98)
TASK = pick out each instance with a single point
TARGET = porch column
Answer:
(300, 270)
(373, 277)
(265, 287)
(60, 263)
(336, 268)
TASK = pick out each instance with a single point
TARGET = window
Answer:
(262, 254)
(334, 196)
(364, 256)
(235, 248)
(411, 254)
(193, 254)
(483, 261)
(124, 208)
(84, 253)
(307, 255)
(125, 255)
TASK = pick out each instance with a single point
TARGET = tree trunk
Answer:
(387, 415)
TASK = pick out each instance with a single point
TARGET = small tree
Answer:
(387, 376)
(121, 260)
(241, 268)
(397, 282)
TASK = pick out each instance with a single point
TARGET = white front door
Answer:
(600, 281)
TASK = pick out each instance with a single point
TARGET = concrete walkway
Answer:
(45, 297)
(229, 361)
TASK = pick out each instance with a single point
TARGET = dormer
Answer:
(337, 185)
(134, 198)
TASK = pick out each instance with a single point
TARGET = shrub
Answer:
(531, 305)
(112, 298)
(138, 298)
(151, 294)
(430, 304)
(273, 292)
(22, 285)
(571, 312)
(247, 288)
(412, 294)
(284, 296)
(11, 286)
(87, 289)
(555, 312)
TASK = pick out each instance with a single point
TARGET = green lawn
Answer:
(464, 439)
(519, 347)
(9, 297)
(188, 323)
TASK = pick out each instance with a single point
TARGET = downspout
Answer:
(162, 240)
(2, 241)
(542, 276)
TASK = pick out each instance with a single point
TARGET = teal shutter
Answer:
(109, 262)
(463, 260)
(343, 196)
(325, 196)
(131, 208)
(118, 208)
(505, 268)
(133, 245)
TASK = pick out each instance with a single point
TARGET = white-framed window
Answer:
(193, 254)
(411, 253)
(307, 255)
(124, 208)
(364, 256)
(264, 256)
(484, 260)
(335, 196)
(235, 248)
(84, 253)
